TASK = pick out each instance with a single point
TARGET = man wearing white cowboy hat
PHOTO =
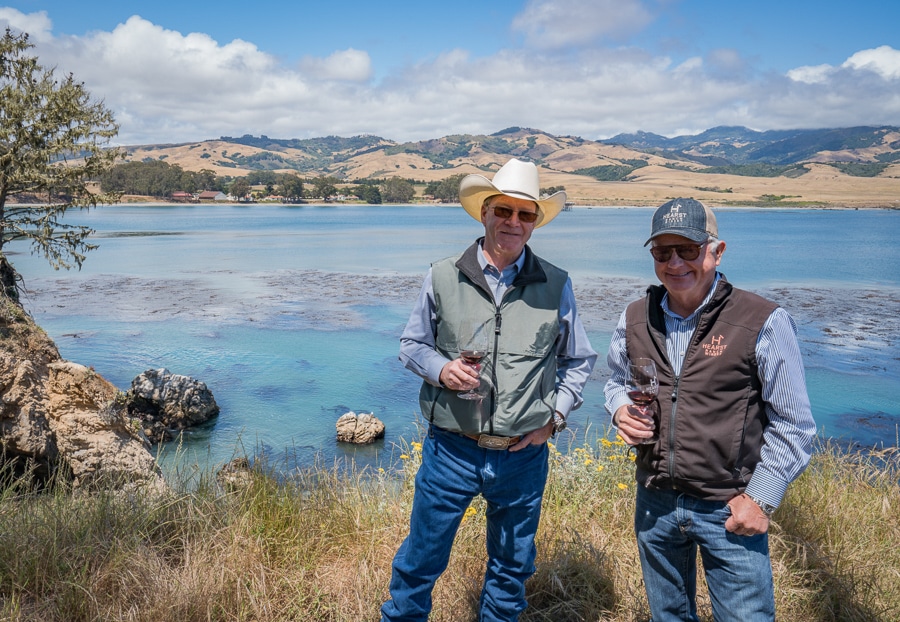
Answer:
(534, 367)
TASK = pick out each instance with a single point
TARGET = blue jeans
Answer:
(670, 527)
(454, 470)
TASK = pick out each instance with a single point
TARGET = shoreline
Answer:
(147, 202)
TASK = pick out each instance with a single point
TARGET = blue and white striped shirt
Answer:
(788, 439)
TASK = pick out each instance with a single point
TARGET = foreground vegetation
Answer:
(318, 546)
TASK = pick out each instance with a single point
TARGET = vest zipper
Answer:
(498, 320)
(671, 461)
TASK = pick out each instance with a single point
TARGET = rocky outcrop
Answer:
(101, 446)
(361, 429)
(165, 403)
(58, 417)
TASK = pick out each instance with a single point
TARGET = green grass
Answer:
(317, 546)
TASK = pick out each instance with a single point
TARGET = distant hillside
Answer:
(849, 166)
(724, 145)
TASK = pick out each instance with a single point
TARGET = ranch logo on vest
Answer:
(715, 347)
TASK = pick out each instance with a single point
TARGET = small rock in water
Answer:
(360, 429)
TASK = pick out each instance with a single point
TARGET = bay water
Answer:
(292, 314)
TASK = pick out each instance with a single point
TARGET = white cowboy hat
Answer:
(515, 179)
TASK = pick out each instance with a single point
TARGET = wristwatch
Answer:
(767, 508)
(559, 423)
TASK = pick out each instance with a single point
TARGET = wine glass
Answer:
(643, 387)
(473, 347)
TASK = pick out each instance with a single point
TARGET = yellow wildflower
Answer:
(404, 457)
(588, 462)
(470, 511)
(417, 446)
(622, 486)
(599, 468)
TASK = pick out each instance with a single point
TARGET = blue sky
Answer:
(404, 70)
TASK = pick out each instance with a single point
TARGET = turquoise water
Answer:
(292, 315)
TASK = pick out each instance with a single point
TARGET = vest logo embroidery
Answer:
(715, 347)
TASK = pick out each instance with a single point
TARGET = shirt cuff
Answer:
(565, 403)
(616, 404)
(433, 370)
(766, 487)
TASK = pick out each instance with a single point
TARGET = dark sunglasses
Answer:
(507, 212)
(688, 252)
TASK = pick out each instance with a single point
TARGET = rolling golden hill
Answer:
(640, 176)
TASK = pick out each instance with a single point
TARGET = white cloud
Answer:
(352, 65)
(37, 25)
(817, 74)
(165, 86)
(884, 60)
(563, 23)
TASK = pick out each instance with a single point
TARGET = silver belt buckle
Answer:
(486, 441)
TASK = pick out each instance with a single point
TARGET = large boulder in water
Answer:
(166, 403)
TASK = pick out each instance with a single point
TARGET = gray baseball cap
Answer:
(688, 218)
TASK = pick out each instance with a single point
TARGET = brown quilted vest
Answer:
(713, 415)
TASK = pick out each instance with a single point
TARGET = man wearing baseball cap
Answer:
(535, 364)
(731, 426)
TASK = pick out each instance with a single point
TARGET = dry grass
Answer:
(318, 546)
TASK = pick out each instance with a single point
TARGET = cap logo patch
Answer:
(675, 216)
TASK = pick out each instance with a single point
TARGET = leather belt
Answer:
(488, 441)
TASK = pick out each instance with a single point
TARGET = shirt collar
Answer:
(483, 262)
(712, 290)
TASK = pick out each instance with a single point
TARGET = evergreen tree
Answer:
(53, 140)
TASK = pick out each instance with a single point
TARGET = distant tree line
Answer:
(446, 190)
(158, 178)
(756, 169)
(861, 169)
(612, 172)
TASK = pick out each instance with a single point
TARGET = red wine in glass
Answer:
(642, 387)
(640, 398)
(473, 347)
(473, 357)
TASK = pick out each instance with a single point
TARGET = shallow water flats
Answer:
(304, 346)
(293, 316)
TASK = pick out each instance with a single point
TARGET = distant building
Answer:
(183, 197)
(212, 195)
